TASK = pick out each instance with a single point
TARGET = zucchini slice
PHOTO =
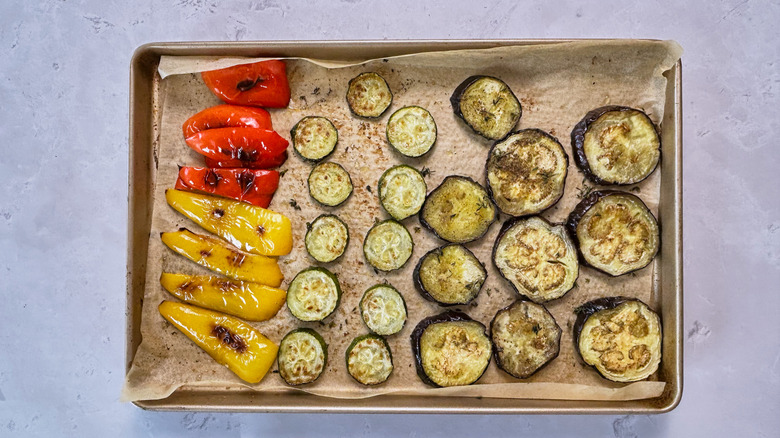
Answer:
(450, 349)
(537, 258)
(620, 337)
(487, 105)
(402, 191)
(368, 95)
(449, 275)
(313, 294)
(314, 138)
(525, 338)
(526, 172)
(459, 210)
(616, 145)
(326, 238)
(411, 131)
(614, 231)
(369, 360)
(329, 184)
(383, 310)
(388, 245)
(302, 356)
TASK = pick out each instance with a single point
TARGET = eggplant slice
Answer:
(537, 258)
(620, 337)
(614, 231)
(526, 172)
(616, 145)
(450, 349)
(525, 338)
(368, 95)
(487, 105)
(459, 210)
(369, 359)
(449, 275)
(302, 356)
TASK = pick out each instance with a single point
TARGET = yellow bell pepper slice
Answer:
(223, 258)
(228, 340)
(251, 301)
(251, 228)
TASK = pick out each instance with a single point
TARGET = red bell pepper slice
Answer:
(233, 164)
(227, 116)
(254, 186)
(250, 147)
(259, 84)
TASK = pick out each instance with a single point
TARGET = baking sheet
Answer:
(556, 83)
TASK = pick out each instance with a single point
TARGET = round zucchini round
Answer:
(459, 210)
(313, 294)
(525, 338)
(450, 349)
(526, 172)
(620, 337)
(450, 275)
(411, 131)
(402, 191)
(326, 238)
(369, 359)
(368, 95)
(329, 184)
(302, 356)
(383, 310)
(614, 231)
(388, 245)
(314, 138)
(487, 105)
(537, 258)
(616, 145)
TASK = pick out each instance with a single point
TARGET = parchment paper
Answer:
(556, 83)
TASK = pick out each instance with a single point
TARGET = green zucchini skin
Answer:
(457, 101)
(398, 145)
(355, 100)
(325, 199)
(404, 257)
(296, 141)
(394, 327)
(282, 350)
(383, 191)
(291, 296)
(433, 197)
(469, 296)
(310, 228)
(377, 340)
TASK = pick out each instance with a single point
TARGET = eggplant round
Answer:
(614, 231)
(369, 359)
(450, 275)
(525, 338)
(459, 210)
(302, 356)
(616, 145)
(368, 95)
(526, 172)
(620, 337)
(450, 349)
(487, 105)
(537, 258)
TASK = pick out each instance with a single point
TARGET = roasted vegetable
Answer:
(459, 210)
(313, 294)
(402, 191)
(614, 231)
(329, 184)
(224, 258)
(227, 116)
(250, 228)
(525, 172)
(251, 301)
(616, 145)
(326, 238)
(411, 131)
(368, 95)
(620, 337)
(537, 258)
(450, 349)
(449, 275)
(261, 83)
(487, 105)
(383, 310)
(369, 360)
(248, 147)
(268, 163)
(228, 340)
(254, 186)
(303, 355)
(525, 338)
(314, 138)
(388, 245)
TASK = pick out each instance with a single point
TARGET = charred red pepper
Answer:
(254, 186)
(259, 84)
(227, 116)
(240, 147)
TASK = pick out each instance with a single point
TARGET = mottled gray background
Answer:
(63, 156)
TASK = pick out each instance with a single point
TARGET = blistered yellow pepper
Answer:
(228, 340)
(251, 228)
(251, 301)
(223, 258)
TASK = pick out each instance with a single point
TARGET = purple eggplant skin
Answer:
(424, 293)
(579, 211)
(428, 226)
(448, 316)
(458, 94)
(578, 141)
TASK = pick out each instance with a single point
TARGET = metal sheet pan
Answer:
(144, 107)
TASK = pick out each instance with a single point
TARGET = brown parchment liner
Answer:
(556, 84)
